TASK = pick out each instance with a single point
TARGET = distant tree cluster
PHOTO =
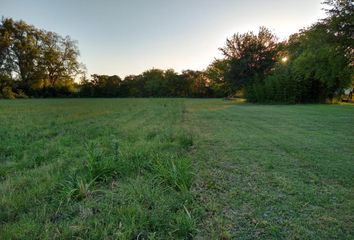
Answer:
(151, 83)
(313, 65)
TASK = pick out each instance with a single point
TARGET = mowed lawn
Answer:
(175, 169)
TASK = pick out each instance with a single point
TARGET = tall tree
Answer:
(155, 84)
(22, 43)
(251, 56)
(59, 59)
(106, 86)
(176, 84)
(341, 24)
(197, 82)
(36, 58)
(322, 62)
(215, 73)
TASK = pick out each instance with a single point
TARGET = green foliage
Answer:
(215, 74)
(6, 92)
(101, 86)
(177, 84)
(151, 83)
(318, 61)
(251, 57)
(340, 24)
(322, 61)
(155, 84)
(42, 62)
(6, 86)
(198, 86)
(318, 69)
(279, 87)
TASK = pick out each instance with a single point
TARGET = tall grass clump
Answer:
(134, 160)
(99, 165)
(185, 223)
(185, 140)
(175, 172)
(77, 188)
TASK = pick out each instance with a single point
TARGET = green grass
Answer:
(94, 169)
(274, 172)
(175, 169)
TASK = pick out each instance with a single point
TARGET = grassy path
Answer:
(274, 172)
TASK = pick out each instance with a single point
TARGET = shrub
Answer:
(7, 93)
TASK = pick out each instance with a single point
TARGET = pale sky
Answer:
(129, 36)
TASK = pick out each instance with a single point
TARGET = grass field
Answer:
(175, 169)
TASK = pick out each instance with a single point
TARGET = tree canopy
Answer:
(250, 56)
(39, 62)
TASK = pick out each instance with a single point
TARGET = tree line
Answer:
(313, 65)
(151, 83)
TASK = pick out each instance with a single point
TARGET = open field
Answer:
(175, 169)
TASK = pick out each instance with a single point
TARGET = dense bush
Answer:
(283, 86)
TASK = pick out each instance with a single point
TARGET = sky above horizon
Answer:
(125, 37)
